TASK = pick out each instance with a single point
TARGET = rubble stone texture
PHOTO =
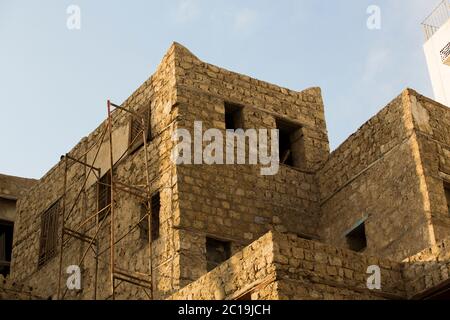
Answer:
(287, 233)
(11, 189)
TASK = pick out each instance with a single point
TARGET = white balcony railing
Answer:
(436, 19)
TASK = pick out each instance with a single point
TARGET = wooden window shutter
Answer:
(136, 128)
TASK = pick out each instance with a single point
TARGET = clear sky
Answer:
(54, 81)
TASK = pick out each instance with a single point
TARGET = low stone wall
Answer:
(311, 270)
(249, 270)
(285, 266)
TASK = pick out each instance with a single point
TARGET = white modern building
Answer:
(437, 50)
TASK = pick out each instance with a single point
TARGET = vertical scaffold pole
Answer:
(149, 212)
(63, 213)
(112, 240)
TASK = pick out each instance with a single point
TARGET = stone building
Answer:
(214, 231)
(11, 189)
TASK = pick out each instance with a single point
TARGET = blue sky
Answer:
(54, 81)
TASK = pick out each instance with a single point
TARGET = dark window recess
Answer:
(234, 118)
(104, 195)
(291, 144)
(356, 239)
(217, 251)
(155, 203)
(447, 195)
(155, 211)
(136, 128)
(49, 234)
(6, 242)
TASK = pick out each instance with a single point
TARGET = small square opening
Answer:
(356, 239)
(233, 116)
(217, 251)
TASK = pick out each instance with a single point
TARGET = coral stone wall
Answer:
(376, 176)
(235, 202)
(432, 125)
(284, 266)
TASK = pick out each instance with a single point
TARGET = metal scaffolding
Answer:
(117, 275)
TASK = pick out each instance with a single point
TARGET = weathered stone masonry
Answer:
(402, 202)
(285, 266)
(288, 234)
(234, 202)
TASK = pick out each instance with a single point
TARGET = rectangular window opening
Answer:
(356, 239)
(291, 144)
(155, 214)
(234, 118)
(104, 195)
(49, 234)
(6, 243)
(136, 127)
(447, 195)
(155, 203)
(217, 251)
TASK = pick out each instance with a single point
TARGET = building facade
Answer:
(142, 226)
(437, 51)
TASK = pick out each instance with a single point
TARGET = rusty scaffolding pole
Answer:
(75, 233)
(145, 281)
(119, 274)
